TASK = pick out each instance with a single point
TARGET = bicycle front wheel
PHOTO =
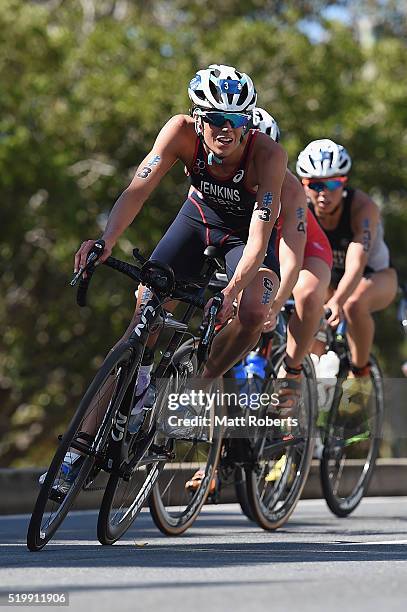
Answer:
(57, 495)
(352, 439)
(275, 483)
(183, 486)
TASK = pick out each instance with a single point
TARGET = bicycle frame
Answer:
(116, 457)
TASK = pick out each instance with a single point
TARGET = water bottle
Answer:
(255, 367)
(327, 371)
(239, 372)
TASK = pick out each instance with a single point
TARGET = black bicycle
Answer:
(351, 429)
(133, 462)
(267, 469)
(282, 465)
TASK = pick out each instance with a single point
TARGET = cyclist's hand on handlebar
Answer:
(225, 313)
(336, 312)
(271, 321)
(82, 253)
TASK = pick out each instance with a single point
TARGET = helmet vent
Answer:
(215, 91)
(243, 94)
(200, 94)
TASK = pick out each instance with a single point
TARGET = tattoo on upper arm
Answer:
(302, 223)
(145, 171)
(366, 236)
(266, 210)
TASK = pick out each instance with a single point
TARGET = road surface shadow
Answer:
(206, 555)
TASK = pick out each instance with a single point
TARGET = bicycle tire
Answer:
(339, 503)
(173, 508)
(124, 498)
(288, 469)
(241, 493)
(38, 535)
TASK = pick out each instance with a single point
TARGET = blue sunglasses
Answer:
(236, 120)
(330, 185)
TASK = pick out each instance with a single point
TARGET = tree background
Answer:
(86, 85)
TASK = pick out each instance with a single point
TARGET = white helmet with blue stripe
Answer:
(323, 159)
(222, 88)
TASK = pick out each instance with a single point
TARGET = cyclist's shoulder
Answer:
(364, 206)
(180, 125)
(265, 150)
(177, 135)
(264, 144)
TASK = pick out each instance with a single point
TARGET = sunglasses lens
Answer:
(238, 121)
(316, 186)
(332, 185)
(321, 185)
(219, 119)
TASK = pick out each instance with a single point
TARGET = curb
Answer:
(20, 488)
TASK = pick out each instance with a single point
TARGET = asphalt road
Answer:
(317, 562)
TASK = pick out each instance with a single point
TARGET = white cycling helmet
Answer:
(322, 159)
(264, 122)
(222, 88)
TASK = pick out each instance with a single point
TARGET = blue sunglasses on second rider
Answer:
(321, 184)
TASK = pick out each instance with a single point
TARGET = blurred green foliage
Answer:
(85, 88)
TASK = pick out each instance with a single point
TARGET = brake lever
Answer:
(216, 305)
(93, 256)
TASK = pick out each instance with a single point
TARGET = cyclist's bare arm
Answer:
(293, 236)
(270, 163)
(364, 226)
(172, 143)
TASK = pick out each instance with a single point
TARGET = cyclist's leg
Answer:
(242, 333)
(309, 294)
(372, 294)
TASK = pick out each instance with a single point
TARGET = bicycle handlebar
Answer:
(127, 269)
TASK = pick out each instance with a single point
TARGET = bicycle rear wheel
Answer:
(56, 498)
(352, 441)
(177, 498)
(275, 484)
